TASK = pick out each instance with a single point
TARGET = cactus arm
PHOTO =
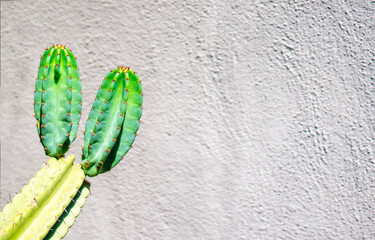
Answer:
(108, 125)
(66, 220)
(56, 97)
(106, 144)
(132, 118)
(55, 107)
(33, 211)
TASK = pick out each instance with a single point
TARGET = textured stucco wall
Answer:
(258, 117)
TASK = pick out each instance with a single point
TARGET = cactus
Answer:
(113, 121)
(32, 213)
(48, 205)
(57, 100)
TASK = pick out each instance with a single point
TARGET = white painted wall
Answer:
(259, 117)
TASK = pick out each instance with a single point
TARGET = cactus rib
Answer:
(113, 121)
(66, 220)
(32, 212)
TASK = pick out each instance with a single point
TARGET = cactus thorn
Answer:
(93, 133)
(89, 145)
(43, 115)
(70, 77)
(43, 126)
(109, 90)
(122, 115)
(43, 79)
(42, 103)
(114, 139)
(105, 101)
(69, 102)
(97, 122)
(45, 149)
(118, 128)
(43, 91)
(68, 134)
(68, 114)
(71, 123)
(42, 137)
(101, 112)
(107, 150)
(60, 145)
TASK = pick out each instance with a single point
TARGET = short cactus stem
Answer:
(113, 121)
(57, 100)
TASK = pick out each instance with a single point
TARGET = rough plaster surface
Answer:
(258, 117)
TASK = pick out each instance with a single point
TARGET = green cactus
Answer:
(57, 100)
(48, 205)
(113, 121)
(32, 213)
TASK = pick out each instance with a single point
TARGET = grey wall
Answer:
(258, 117)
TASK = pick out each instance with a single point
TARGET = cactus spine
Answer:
(113, 121)
(57, 100)
(32, 213)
